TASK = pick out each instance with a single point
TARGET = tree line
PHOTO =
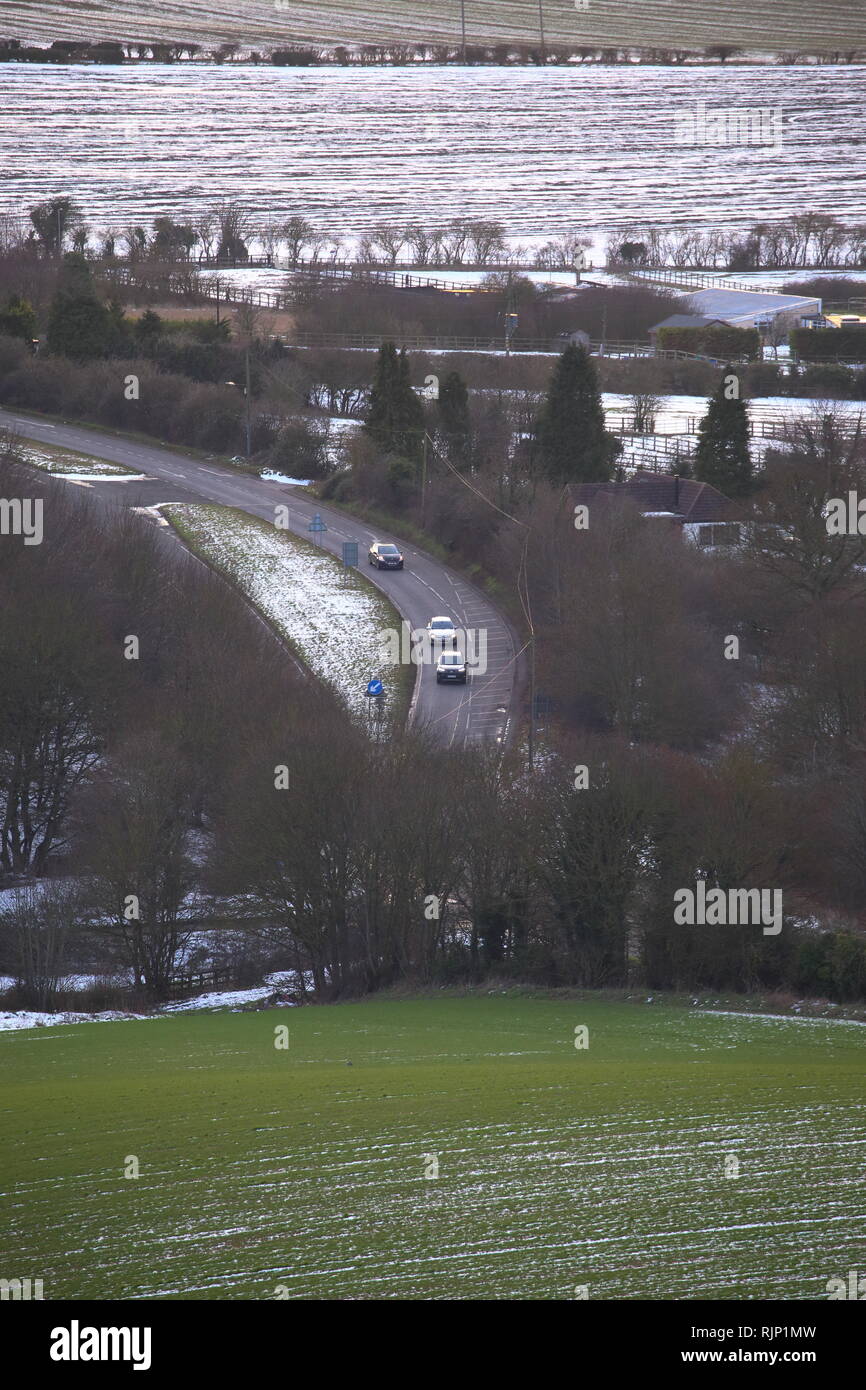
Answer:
(392, 54)
(228, 230)
(809, 238)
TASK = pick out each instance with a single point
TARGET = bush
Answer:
(725, 342)
(300, 450)
(828, 344)
(832, 380)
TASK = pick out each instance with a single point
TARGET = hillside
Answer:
(764, 25)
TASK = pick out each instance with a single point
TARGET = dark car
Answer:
(451, 666)
(385, 557)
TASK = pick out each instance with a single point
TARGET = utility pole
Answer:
(510, 315)
(541, 28)
(249, 402)
(463, 29)
(531, 748)
(424, 483)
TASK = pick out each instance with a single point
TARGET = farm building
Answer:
(749, 308)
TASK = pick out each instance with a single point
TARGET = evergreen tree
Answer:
(52, 222)
(453, 414)
(79, 324)
(573, 443)
(395, 416)
(18, 319)
(722, 455)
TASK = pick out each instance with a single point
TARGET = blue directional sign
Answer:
(350, 552)
(375, 687)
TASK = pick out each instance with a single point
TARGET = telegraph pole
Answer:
(541, 27)
(249, 403)
(463, 28)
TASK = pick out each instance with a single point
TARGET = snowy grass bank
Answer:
(300, 591)
(69, 465)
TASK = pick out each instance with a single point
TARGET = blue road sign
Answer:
(317, 524)
(375, 687)
(350, 552)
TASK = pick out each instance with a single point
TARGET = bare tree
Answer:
(206, 229)
(139, 819)
(390, 239)
(645, 407)
(39, 924)
(234, 224)
(298, 234)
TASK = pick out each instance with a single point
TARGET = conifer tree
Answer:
(453, 414)
(722, 455)
(395, 416)
(573, 444)
(79, 324)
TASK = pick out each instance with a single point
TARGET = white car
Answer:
(451, 666)
(442, 630)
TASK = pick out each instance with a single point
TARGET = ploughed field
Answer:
(269, 1172)
(763, 24)
(544, 152)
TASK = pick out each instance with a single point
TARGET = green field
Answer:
(558, 1167)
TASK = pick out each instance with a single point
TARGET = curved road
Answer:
(482, 709)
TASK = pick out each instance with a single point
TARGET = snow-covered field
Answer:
(544, 152)
(300, 590)
(676, 413)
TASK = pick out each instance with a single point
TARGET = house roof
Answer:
(684, 321)
(683, 499)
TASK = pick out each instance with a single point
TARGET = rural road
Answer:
(481, 710)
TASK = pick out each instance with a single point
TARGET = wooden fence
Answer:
(187, 982)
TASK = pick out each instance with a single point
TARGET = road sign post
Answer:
(317, 525)
(375, 693)
(350, 559)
